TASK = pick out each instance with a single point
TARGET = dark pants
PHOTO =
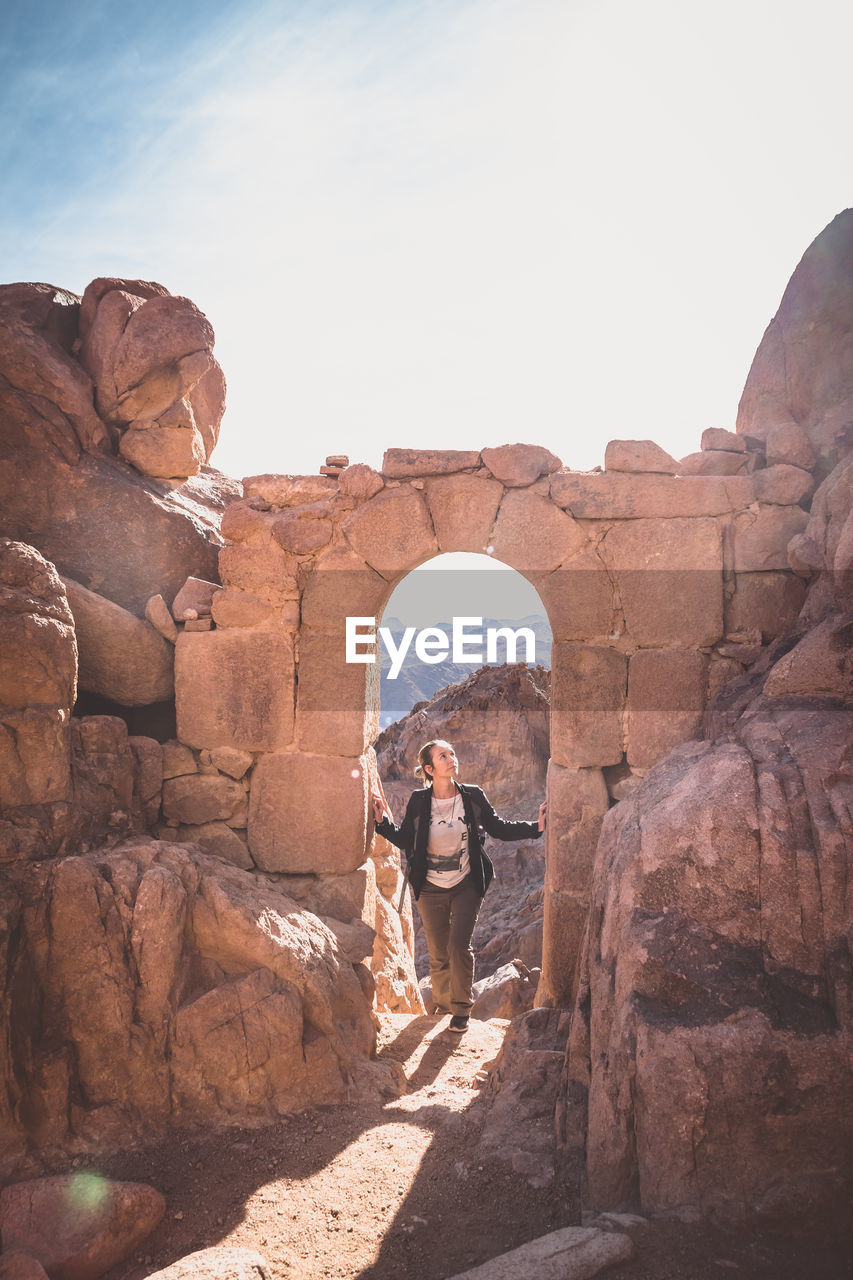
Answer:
(449, 916)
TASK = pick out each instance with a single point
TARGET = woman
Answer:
(449, 872)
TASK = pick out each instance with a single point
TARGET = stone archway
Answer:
(655, 585)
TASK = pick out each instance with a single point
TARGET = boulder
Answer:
(719, 438)
(392, 531)
(197, 798)
(288, 829)
(163, 451)
(713, 463)
(37, 642)
(638, 455)
(761, 538)
(820, 665)
(518, 465)
(572, 1253)
(767, 603)
(121, 657)
(195, 595)
(666, 698)
(289, 491)
(506, 993)
(360, 481)
(783, 484)
(78, 1225)
(802, 375)
(789, 445)
(157, 613)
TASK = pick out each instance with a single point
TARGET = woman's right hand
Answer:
(378, 807)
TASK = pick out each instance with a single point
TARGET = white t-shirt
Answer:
(447, 848)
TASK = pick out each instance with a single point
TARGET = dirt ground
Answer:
(375, 1191)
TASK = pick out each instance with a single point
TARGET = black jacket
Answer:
(412, 835)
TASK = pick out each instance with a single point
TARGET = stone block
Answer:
(563, 925)
(288, 491)
(198, 624)
(234, 763)
(308, 813)
(530, 533)
(337, 708)
(788, 443)
(301, 532)
(218, 839)
(638, 456)
(243, 522)
(197, 798)
(580, 598)
(404, 463)
(517, 465)
(669, 575)
(783, 484)
(765, 602)
(195, 595)
(178, 760)
(666, 698)
(266, 572)
(614, 495)
(342, 586)
(719, 438)
(588, 688)
(165, 452)
(235, 689)
(761, 537)
(35, 757)
(244, 609)
(713, 463)
(463, 509)
(393, 531)
(360, 481)
(148, 776)
(577, 802)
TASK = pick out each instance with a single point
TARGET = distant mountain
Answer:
(418, 681)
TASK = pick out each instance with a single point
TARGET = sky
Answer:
(442, 224)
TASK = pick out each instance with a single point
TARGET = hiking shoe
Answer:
(458, 1023)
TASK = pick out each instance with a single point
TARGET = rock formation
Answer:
(708, 1069)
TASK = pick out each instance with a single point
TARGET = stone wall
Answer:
(660, 586)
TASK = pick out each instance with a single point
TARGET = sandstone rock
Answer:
(830, 523)
(198, 624)
(52, 312)
(506, 993)
(713, 463)
(789, 444)
(196, 595)
(403, 463)
(580, 598)
(337, 710)
(78, 1225)
(288, 491)
(463, 509)
(341, 586)
(804, 555)
(719, 438)
(666, 698)
(234, 763)
(706, 980)
(39, 660)
(197, 799)
(360, 481)
(783, 484)
(519, 464)
(614, 495)
(821, 665)
(34, 757)
(157, 613)
(530, 533)
(301, 532)
(103, 285)
(207, 402)
(764, 602)
(221, 1262)
(588, 687)
(120, 656)
(178, 760)
(638, 455)
(234, 689)
(801, 373)
(231, 608)
(572, 1253)
(761, 538)
(163, 451)
(289, 831)
(21, 1266)
(148, 776)
(217, 839)
(392, 531)
(670, 580)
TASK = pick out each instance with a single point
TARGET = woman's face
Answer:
(444, 763)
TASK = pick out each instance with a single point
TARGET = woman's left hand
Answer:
(543, 815)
